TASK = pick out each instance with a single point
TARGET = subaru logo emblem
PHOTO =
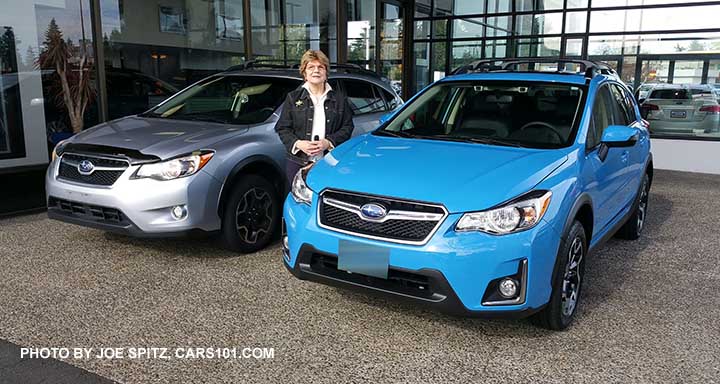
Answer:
(373, 211)
(86, 167)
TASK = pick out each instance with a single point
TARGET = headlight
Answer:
(174, 168)
(299, 190)
(518, 215)
(59, 149)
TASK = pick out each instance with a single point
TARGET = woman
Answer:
(315, 118)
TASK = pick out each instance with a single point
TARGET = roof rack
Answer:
(589, 68)
(340, 67)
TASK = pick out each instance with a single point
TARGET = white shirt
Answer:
(318, 126)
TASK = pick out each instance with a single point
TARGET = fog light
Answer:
(285, 242)
(179, 212)
(508, 288)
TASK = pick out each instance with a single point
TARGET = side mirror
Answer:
(640, 101)
(620, 136)
(385, 117)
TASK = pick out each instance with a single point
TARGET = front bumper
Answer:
(139, 207)
(452, 272)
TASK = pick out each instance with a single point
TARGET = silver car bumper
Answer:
(140, 207)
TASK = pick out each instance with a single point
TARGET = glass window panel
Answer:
(627, 72)
(439, 53)
(623, 3)
(465, 52)
(680, 18)
(539, 47)
(499, 6)
(608, 45)
(654, 71)
(577, 4)
(422, 29)
(537, 5)
(575, 22)
(714, 74)
(692, 43)
(443, 8)
(266, 30)
(540, 24)
(468, 28)
(469, 7)
(496, 48)
(687, 72)
(573, 47)
(422, 8)
(613, 21)
(440, 29)
(421, 52)
(361, 33)
(498, 26)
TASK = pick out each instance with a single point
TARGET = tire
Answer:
(569, 270)
(633, 228)
(251, 215)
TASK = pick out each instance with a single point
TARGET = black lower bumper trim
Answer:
(426, 287)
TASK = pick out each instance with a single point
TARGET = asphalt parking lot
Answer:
(650, 310)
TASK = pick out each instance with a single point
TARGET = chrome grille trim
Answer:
(409, 215)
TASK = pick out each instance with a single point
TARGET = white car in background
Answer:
(672, 109)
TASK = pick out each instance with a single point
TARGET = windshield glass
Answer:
(228, 99)
(527, 114)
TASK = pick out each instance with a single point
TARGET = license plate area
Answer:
(369, 260)
(678, 114)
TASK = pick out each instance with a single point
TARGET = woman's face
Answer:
(315, 72)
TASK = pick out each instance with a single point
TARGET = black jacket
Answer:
(295, 121)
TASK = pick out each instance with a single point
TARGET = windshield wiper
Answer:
(483, 140)
(383, 132)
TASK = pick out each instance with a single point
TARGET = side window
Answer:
(363, 97)
(390, 100)
(602, 117)
(624, 114)
(630, 105)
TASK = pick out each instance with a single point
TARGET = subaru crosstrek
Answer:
(482, 196)
(207, 159)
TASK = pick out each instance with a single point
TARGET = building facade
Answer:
(52, 83)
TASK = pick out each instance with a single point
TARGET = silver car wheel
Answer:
(572, 278)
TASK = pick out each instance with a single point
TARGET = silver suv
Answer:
(206, 159)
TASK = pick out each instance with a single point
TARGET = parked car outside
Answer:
(672, 109)
(643, 90)
(206, 159)
(482, 196)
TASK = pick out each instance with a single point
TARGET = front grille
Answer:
(403, 282)
(414, 231)
(106, 172)
(96, 213)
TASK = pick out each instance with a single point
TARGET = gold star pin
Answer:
(298, 103)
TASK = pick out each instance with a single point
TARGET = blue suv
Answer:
(483, 195)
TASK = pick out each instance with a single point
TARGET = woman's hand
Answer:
(310, 148)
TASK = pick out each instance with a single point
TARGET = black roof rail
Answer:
(257, 64)
(344, 67)
(589, 68)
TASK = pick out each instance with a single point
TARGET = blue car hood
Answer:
(462, 176)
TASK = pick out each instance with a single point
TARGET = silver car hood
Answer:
(159, 137)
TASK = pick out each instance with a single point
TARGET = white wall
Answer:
(686, 155)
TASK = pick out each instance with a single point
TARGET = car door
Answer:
(603, 166)
(632, 173)
(366, 102)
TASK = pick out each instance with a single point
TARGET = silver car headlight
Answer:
(299, 190)
(518, 215)
(175, 168)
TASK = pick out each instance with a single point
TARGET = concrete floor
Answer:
(650, 310)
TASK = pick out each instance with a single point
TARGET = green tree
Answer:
(73, 73)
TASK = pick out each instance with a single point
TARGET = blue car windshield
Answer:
(524, 114)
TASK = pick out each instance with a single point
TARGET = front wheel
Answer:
(251, 215)
(567, 282)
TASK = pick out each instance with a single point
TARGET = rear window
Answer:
(671, 94)
(228, 99)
